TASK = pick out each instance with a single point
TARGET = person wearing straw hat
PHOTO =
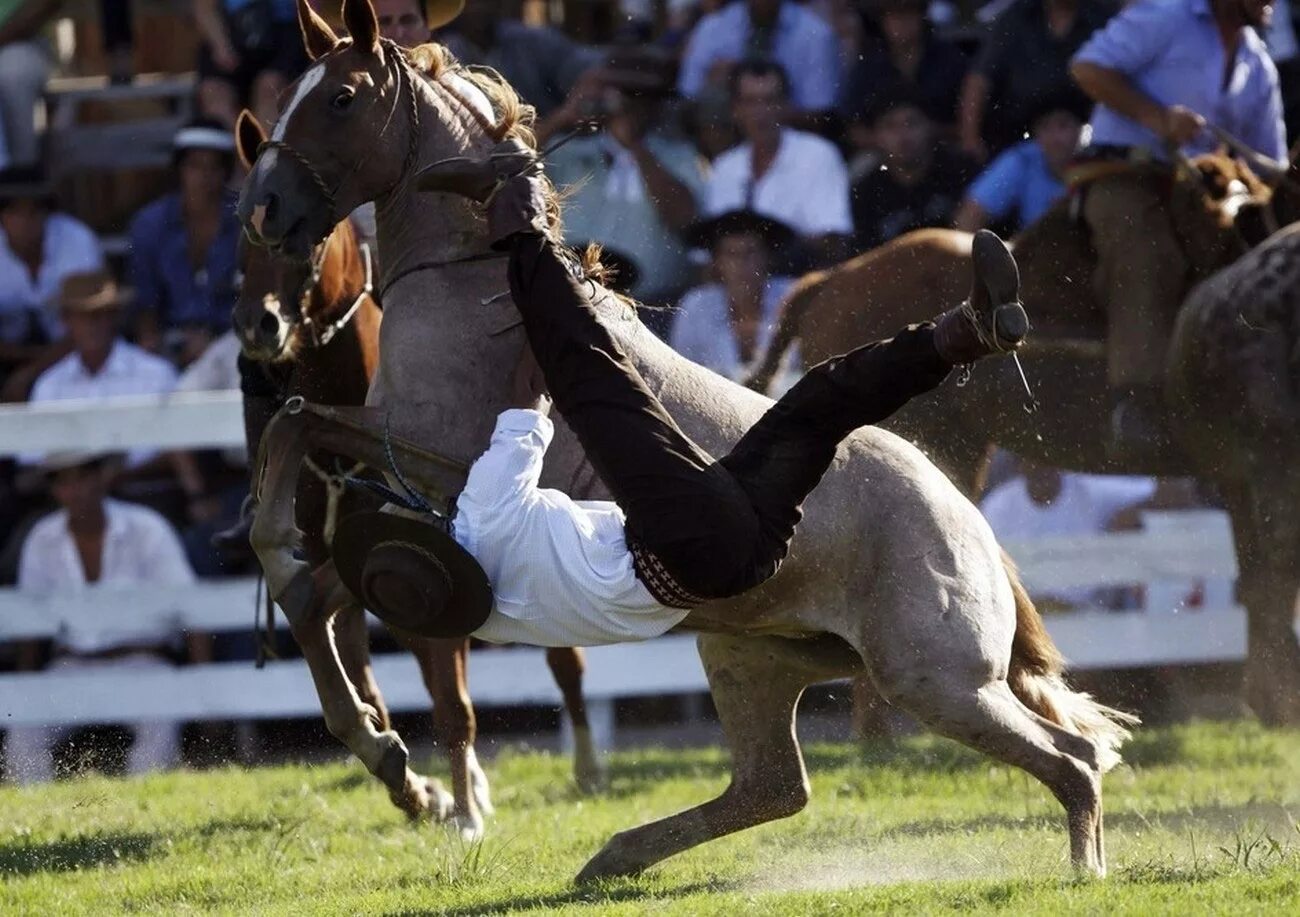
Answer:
(95, 540)
(408, 22)
(1162, 72)
(184, 247)
(101, 363)
(39, 247)
(727, 323)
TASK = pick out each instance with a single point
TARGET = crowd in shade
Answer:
(737, 145)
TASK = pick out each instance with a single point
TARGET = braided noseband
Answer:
(397, 58)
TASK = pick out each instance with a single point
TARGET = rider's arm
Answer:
(1114, 90)
(512, 465)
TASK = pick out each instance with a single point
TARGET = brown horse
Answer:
(315, 328)
(1219, 210)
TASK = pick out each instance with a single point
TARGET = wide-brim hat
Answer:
(640, 71)
(440, 12)
(706, 233)
(62, 460)
(91, 291)
(19, 183)
(412, 574)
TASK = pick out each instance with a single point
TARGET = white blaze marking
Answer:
(310, 80)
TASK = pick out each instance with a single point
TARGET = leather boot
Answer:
(992, 320)
(232, 543)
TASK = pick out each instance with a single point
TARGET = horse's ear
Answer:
(249, 136)
(359, 17)
(317, 36)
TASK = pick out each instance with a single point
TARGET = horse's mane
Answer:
(514, 117)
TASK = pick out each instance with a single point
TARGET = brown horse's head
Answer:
(284, 306)
(1218, 208)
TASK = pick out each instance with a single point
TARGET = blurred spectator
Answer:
(95, 540)
(24, 68)
(39, 249)
(183, 248)
(101, 364)
(402, 21)
(791, 176)
(634, 187)
(726, 324)
(1023, 182)
(1045, 502)
(920, 181)
(541, 63)
(252, 50)
(908, 53)
(798, 40)
(1284, 48)
(1025, 59)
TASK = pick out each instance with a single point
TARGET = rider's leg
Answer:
(1141, 277)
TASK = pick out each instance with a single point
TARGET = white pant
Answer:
(24, 69)
(29, 750)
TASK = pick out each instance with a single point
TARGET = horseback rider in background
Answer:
(1163, 73)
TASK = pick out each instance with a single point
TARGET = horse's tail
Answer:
(1036, 678)
(789, 322)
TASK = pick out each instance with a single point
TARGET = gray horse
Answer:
(893, 572)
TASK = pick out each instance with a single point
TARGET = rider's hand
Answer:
(518, 206)
(1180, 125)
(529, 389)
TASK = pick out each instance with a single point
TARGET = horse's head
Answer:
(286, 305)
(347, 135)
(1219, 208)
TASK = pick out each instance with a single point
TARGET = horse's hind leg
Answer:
(567, 664)
(756, 684)
(990, 719)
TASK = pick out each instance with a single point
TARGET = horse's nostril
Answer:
(272, 206)
(270, 324)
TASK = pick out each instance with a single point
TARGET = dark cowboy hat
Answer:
(1066, 99)
(19, 183)
(412, 574)
(91, 291)
(641, 71)
(706, 233)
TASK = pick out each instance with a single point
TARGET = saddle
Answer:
(1103, 161)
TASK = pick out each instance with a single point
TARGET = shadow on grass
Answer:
(26, 857)
(596, 895)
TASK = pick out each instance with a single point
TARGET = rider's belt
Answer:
(658, 581)
(1104, 160)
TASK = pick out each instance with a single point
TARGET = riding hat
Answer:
(706, 233)
(438, 13)
(640, 71)
(412, 574)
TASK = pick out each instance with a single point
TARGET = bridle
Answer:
(396, 57)
(322, 335)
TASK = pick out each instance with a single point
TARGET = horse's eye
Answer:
(343, 99)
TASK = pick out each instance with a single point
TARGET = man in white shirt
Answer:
(1044, 502)
(797, 178)
(684, 528)
(39, 249)
(102, 364)
(94, 540)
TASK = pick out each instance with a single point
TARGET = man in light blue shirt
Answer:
(1023, 182)
(797, 39)
(1160, 72)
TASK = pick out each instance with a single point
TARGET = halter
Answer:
(396, 58)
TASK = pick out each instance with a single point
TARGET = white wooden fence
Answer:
(1175, 547)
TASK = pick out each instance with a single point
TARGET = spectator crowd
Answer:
(740, 143)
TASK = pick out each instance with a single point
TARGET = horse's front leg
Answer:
(359, 726)
(443, 665)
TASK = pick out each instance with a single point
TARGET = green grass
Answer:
(1202, 820)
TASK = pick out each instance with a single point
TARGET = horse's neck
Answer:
(339, 372)
(417, 229)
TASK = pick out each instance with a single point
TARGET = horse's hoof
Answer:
(609, 863)
(469, 826)
(441, 803)
(591, 781)
(392, 763)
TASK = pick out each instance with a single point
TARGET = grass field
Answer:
(1204, 819)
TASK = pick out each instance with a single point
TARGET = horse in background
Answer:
(1220, 211)
(314, 329)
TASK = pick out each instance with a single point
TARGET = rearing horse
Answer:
(315, 328)
(893, 572)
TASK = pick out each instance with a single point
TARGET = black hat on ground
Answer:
(706, 233)
(412, 574)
